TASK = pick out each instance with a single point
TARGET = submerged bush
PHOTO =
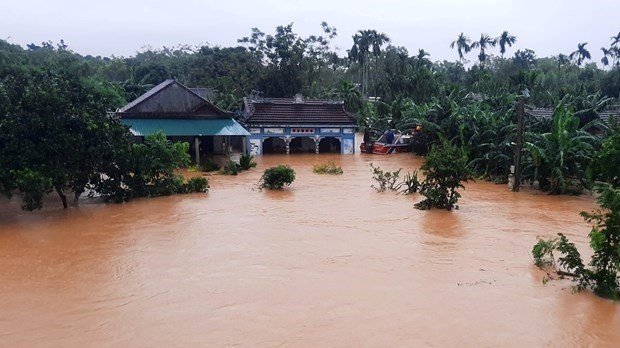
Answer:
(277, 177)
(445, 170)
(602, 274)
(327, 168)
(193, 168)
(211, 166)
(410, 184)
(246, 163)
(195, 184)
(231, 168)
(385, 179)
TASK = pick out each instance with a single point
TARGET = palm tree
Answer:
(606, 53)
(505, 39)
(580, 54)
(349, 94)
(362, 42)
(485, 42)
(377, 40)
(463, 45)
(421, 59)
(615, 40)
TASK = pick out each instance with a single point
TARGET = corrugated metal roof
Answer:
(147, 95)
(175, 127)
(171, 99)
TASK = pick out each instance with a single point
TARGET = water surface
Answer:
(327, 262)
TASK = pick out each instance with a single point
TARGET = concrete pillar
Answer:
(317, 141)
(197, 150)
(287, 141)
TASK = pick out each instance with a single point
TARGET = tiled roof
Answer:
(282, 111)
(547, 113)
(539, 113)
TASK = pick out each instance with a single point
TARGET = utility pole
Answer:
(519, 147)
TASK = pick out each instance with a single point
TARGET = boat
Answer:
(401, 143)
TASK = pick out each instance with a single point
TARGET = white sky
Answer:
(123, 27)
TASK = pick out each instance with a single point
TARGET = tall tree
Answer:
(377, 41)
(580, 54)
(362, 42)
(483, 44)
(463, 46)
(505, 39)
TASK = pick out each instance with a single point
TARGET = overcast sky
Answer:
(123, 27)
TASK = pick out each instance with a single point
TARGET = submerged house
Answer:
(184, 114)
(298, 125)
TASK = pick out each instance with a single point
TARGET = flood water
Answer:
(327, 262)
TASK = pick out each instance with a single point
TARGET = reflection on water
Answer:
(326, 262)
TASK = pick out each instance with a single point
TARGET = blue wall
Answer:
(346, 135)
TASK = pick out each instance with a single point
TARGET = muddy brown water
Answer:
(327, 262)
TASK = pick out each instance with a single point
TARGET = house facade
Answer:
(298, 125)
(184, 114)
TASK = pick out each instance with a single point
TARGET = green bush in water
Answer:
(245, 162)
(277, 177)
(231, 168)
(211, 166)
(445, 170)
(195, 184)
(602, 274)
(385, 179)
(327, 168)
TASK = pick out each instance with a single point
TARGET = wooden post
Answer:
(519, 147)
(197, 150)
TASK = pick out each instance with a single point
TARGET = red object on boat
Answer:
(401, 143)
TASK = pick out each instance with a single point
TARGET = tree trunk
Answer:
(374, 84)
(519, 145)
(63, 197)
(76, 197)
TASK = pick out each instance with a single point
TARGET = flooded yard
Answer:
(327, 262)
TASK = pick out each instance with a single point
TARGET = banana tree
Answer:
(560, 158)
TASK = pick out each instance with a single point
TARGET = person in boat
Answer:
(389, 136)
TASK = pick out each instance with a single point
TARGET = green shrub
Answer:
(277, 177)
(602, 274)
(543, 252)
(445, 169)
(231, 168)
(211, 166)
(34, 187)
(195, 184)
(410, 184)
(327, 168)
(245, 162)
(193, 168)
(385, 179)
(155, 164)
